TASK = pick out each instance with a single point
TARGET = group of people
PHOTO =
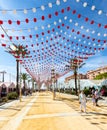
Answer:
(83, 100)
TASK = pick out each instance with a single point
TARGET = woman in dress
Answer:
(82, 100)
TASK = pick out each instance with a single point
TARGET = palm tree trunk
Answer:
(17, 77)
(75, 74)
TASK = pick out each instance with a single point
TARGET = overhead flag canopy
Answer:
(53, 32)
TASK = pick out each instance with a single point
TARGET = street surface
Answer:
(41, 112)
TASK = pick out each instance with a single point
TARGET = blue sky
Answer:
(53, 53)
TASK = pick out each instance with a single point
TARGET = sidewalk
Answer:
(10, 111)
(43, 113)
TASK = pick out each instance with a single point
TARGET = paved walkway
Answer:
(41, 112)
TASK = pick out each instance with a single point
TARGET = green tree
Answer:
(101, 76)
(18, 51)
(75, 64)
(24, 77)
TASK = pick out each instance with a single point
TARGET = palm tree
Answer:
(75, 65)
(18, 51)
(31, 80)
(24, 77)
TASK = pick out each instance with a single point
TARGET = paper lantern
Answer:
(1, 22)
(30, 36)
(4, 45)
(63, 24)
(68, 8)
(2, 35)
(10, 37)
(43, 17)
(79, 15)
(74, 11)
(62, 10)
(17, 38)
(35, 20)
(92, 22)
(27, 20)
(49, 16)
(18, 22)
(9, 22)
(34, 10)
(86, 19)
(105, 26)
(56, 13)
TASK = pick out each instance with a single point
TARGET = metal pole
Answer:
(3, 72)
(10, 77)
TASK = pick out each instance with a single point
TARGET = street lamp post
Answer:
(3, 72)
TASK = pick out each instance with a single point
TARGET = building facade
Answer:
(93, 73)
(81, 76)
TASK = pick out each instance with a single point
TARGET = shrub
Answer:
(86, 91)
(0, 99)
(12, 95)
(73, 93)
(67, 91)
(4, 99)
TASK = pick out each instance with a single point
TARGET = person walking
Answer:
(93, 99)
(82, 100)
(97, 95)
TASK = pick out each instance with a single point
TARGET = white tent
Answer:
(104, 82)
(83, 83)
